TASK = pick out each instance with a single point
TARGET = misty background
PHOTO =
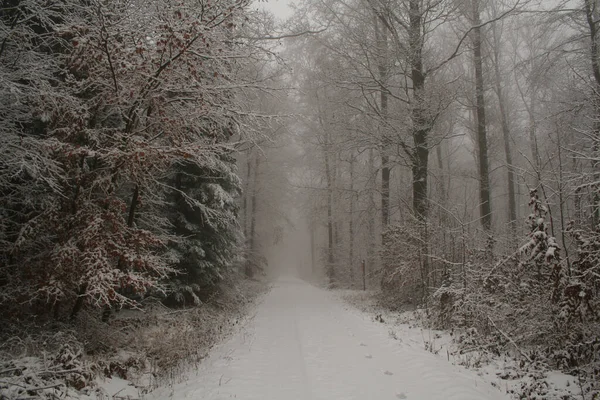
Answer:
(161, 154)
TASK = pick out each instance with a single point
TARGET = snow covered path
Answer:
(304, 344)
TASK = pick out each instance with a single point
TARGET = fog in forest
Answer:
(437, 157)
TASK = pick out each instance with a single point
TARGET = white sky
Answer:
(280, 8)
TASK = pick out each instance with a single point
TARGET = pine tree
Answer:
(542, 250)
(204, 215)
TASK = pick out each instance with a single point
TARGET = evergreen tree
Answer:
(541, 251)
(204, 215)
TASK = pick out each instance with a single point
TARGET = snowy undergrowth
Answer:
(125, 358)
(503, 370)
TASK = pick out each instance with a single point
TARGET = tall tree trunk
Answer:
(336, 204)
(385, 191)
(329, 171)
(535, 154)
(530, 106)
(251, 219)
(351, 221)
(561, 200)
(246, 194)
(484, 178)
(510, 172)
(420, 131)
(252, 233)
(252, 242)
(382, 67)
(312, 247)
(371, 212)
(330, 239)
(442, 184)
(421, 126)
(591, 16)
(443, 218)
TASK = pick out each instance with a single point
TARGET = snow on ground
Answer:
(115, 388)
(502, 372)
(304, 343)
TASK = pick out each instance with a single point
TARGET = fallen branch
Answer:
(5, 371)
(32, 389)
(476, 348)
(45, 387)
(501, 263)
(14, 384)
(510, 340)
(60, 372)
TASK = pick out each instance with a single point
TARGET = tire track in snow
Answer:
(306, 345)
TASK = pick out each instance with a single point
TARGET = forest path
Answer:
(305, 344)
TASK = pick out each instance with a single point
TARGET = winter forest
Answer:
(431, 162)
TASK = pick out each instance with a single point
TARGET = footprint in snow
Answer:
(401, 396)
(388, 373)
(363, 345)
(368, 356)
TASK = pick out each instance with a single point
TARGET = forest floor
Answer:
(306, 343)
(132, 354)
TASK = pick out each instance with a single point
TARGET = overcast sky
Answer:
(280, 8)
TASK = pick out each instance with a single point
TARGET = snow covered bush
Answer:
(402, 277)
(105, 101)
(118, 184)
(55, 370)
(530, 304)
(30, 177)
(541, 263)
(203, 213)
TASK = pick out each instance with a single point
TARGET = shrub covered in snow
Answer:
(60, 370)
(536, 306)
(527, 302)
(116, 170)
(401, 256)
(118, 181)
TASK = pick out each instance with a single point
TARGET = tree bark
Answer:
(510, 173)
(351, 221)
(440, 162)
(252, 242)
(336, 179)
(484, 179)
(561, 201)
(326, 146)
(79, 302)
(535, 155)
(382, 60)
(246, 194)
(330, 240)
(252, 233)
(590, 10)
(312, 247)
(132, 206)
(371, 211)
(249, 232)
(421, 128)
